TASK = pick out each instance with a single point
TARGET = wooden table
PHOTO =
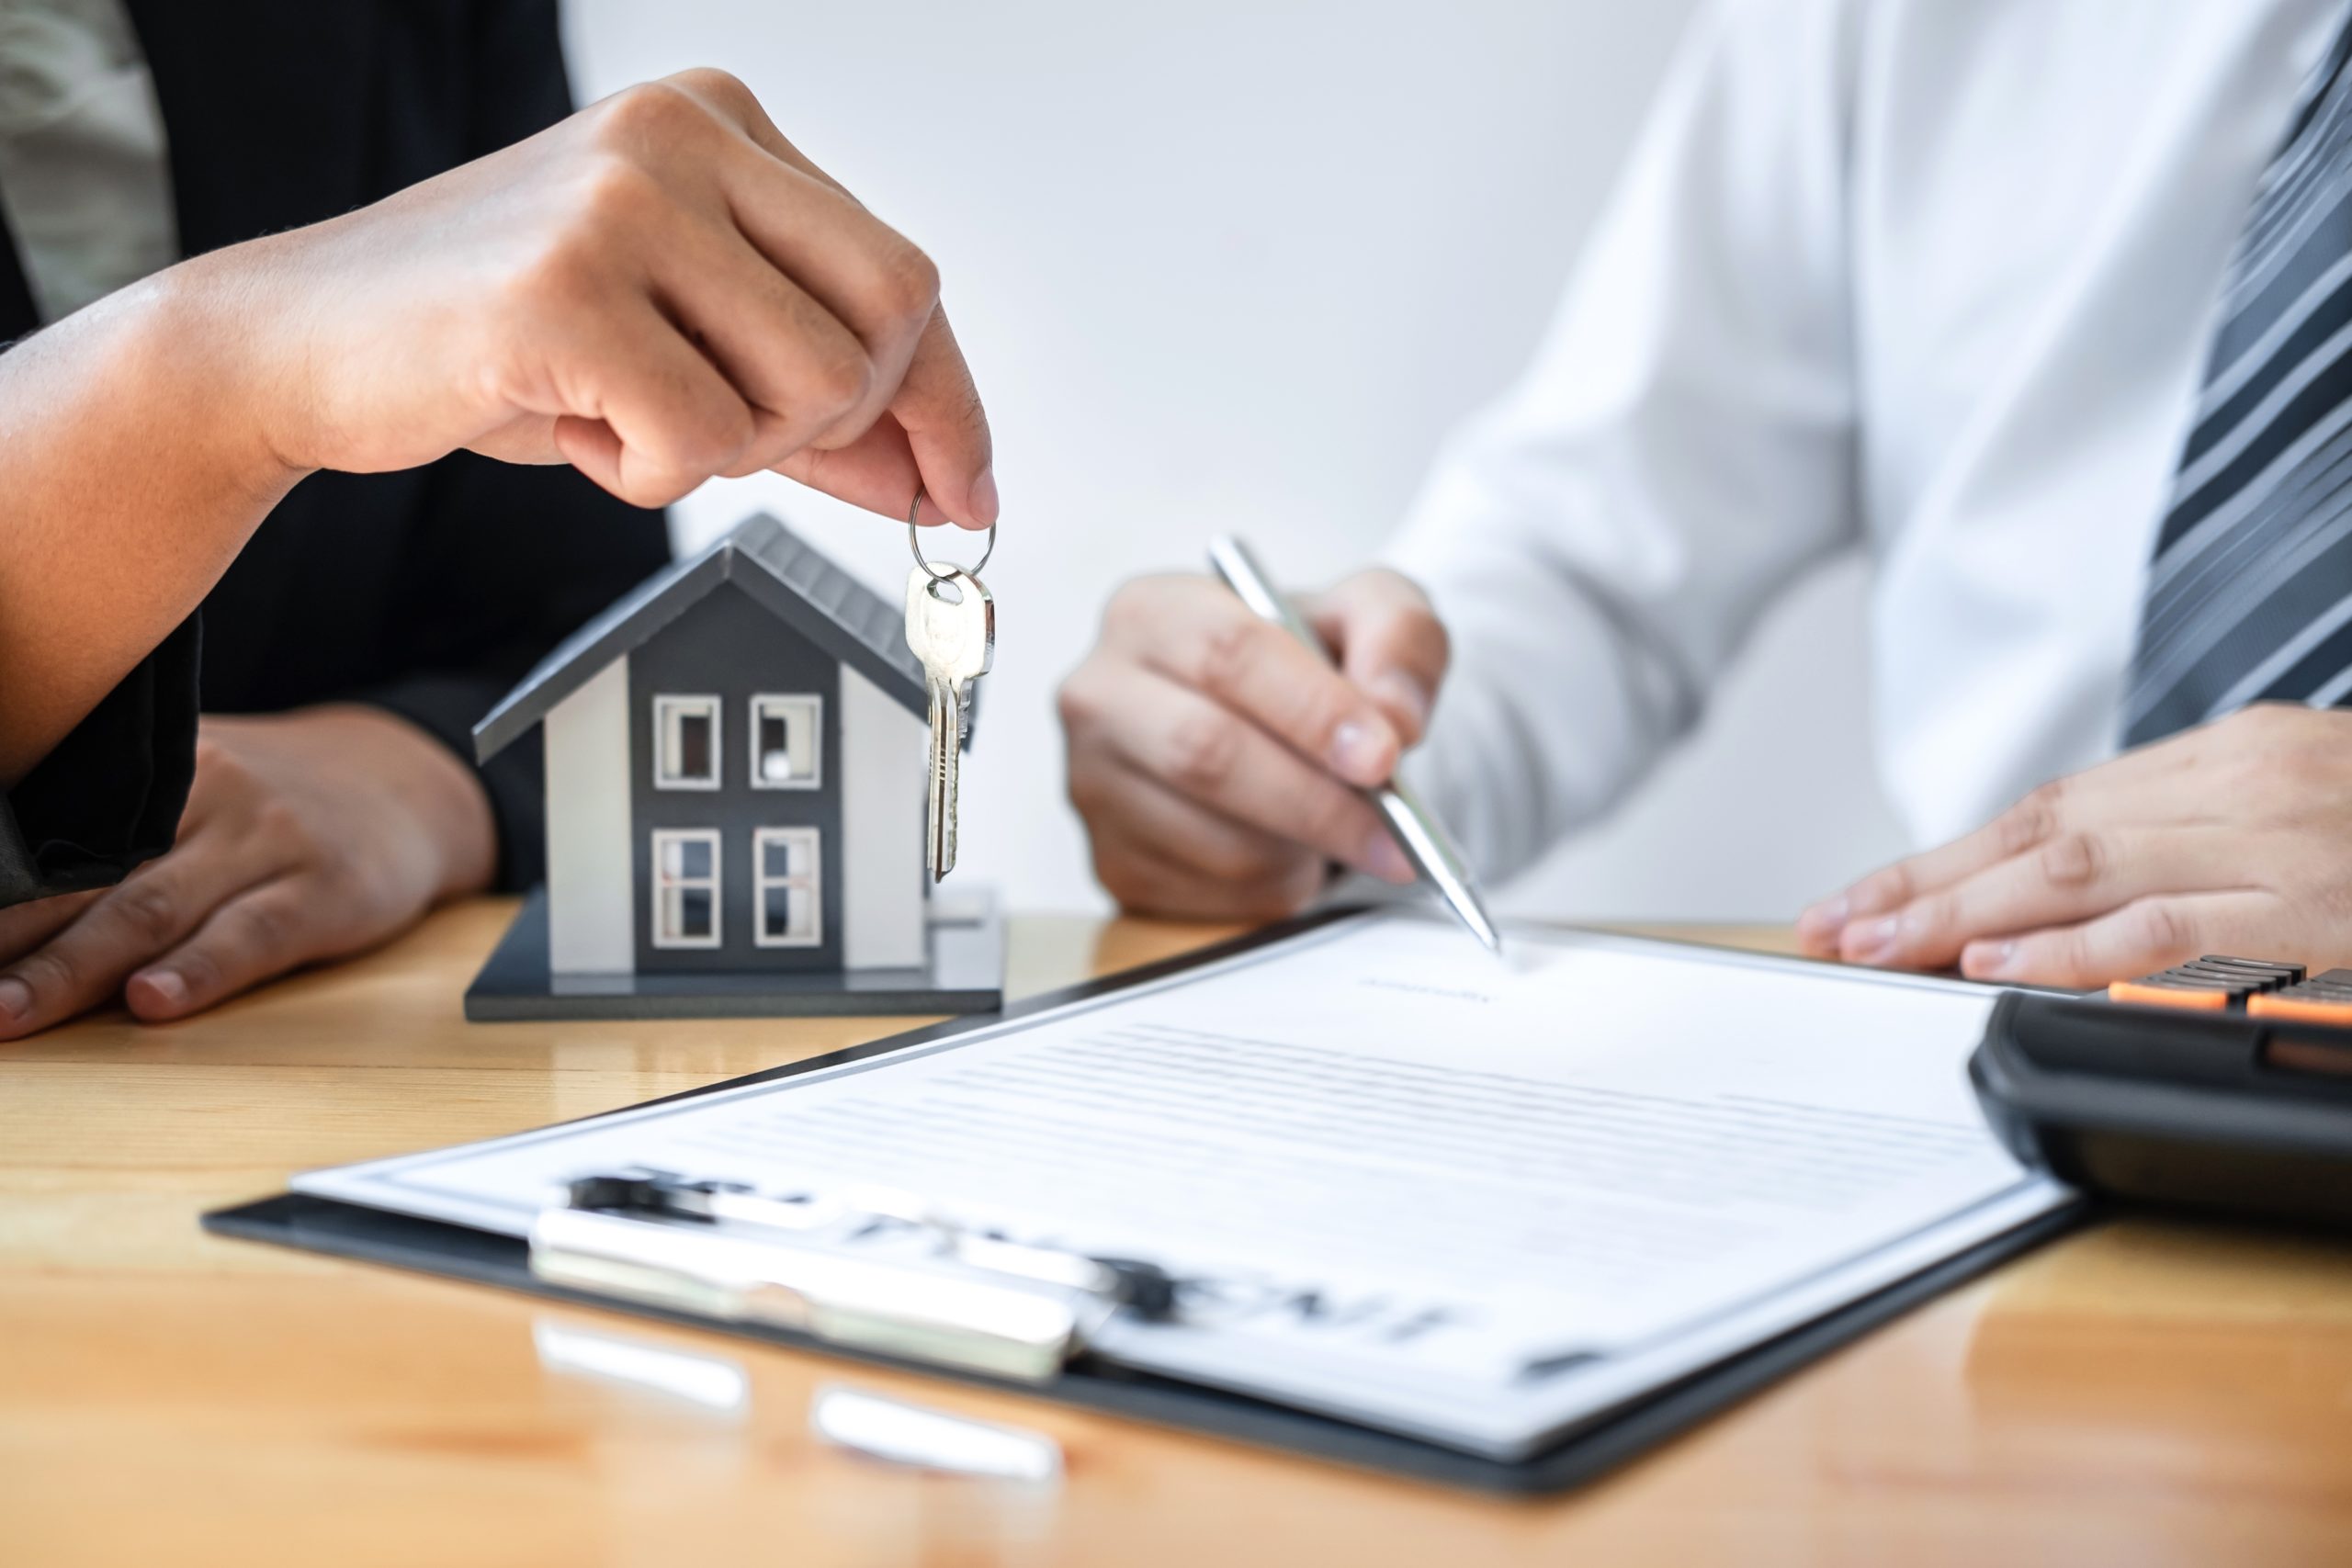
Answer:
(2138, 1394)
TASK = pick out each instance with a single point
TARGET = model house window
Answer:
(686, 887)
(787, 735)
(685, 742)
(789, 899)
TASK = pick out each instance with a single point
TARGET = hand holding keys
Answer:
(951, 626)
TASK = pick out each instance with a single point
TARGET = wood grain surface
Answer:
(2140, 1393)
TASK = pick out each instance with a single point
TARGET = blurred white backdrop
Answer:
(1233, 265)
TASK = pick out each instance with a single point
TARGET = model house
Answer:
(735, 794)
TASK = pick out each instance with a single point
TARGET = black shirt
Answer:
(428, 593)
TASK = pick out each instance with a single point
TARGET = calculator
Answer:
(2223, 1085)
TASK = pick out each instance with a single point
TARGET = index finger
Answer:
(947, 430)
(24, 926)
(946, 450)
(2013, 832)
(2140, 787)
(1208, 640)
(1389, 641)
(128, 924)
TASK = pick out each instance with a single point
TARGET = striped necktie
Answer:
(2250, 592)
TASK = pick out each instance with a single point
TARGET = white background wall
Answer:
(1239, 264)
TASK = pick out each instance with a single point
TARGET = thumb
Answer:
(1388, 642)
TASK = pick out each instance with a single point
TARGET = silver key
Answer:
(955, 638)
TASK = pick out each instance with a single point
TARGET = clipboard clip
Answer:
(958, 1299)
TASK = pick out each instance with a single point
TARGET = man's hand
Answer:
(659, 289)
(305, 837)
(1211, 755)
(2233, 837)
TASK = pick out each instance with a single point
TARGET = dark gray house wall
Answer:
(728, 646)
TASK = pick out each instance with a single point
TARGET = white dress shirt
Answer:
(1934, 277)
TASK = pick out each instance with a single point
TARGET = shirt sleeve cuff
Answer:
(110, 794)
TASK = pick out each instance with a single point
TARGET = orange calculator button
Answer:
(2171, 996)
(2300, 1009)
(2322, 999)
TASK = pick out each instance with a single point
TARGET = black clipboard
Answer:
(457, 1252)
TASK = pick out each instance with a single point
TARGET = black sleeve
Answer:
(109, 795)
(518, 80)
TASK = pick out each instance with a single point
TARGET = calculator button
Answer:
(2300, 1010)
(2282, 974)
(2213, 982)
(2323, 999)
(2153, 992)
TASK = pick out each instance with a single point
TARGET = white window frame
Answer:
(658, 883)
(678, 702)
(816, 705)
(813, 841)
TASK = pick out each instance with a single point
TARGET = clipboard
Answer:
(1579, 1454)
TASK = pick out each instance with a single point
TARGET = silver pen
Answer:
(1423, 838)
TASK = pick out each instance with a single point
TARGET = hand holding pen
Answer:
(1220, 763)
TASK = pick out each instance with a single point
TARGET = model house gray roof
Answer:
(793, 580)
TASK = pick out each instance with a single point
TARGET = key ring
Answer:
(914, 543)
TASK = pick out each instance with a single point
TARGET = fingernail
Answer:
(169, 988)
(984, 497)
(1358, 753)
(1825, 918)
(1873, 941)
(1385, 860)
(1989, 960)
(15, 1001)
(1404, 692)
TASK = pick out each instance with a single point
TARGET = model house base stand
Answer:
(964, 974)
(735, 758)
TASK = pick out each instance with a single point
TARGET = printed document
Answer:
(1478, 1200)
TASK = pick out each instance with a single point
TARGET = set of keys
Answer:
(951, 628)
